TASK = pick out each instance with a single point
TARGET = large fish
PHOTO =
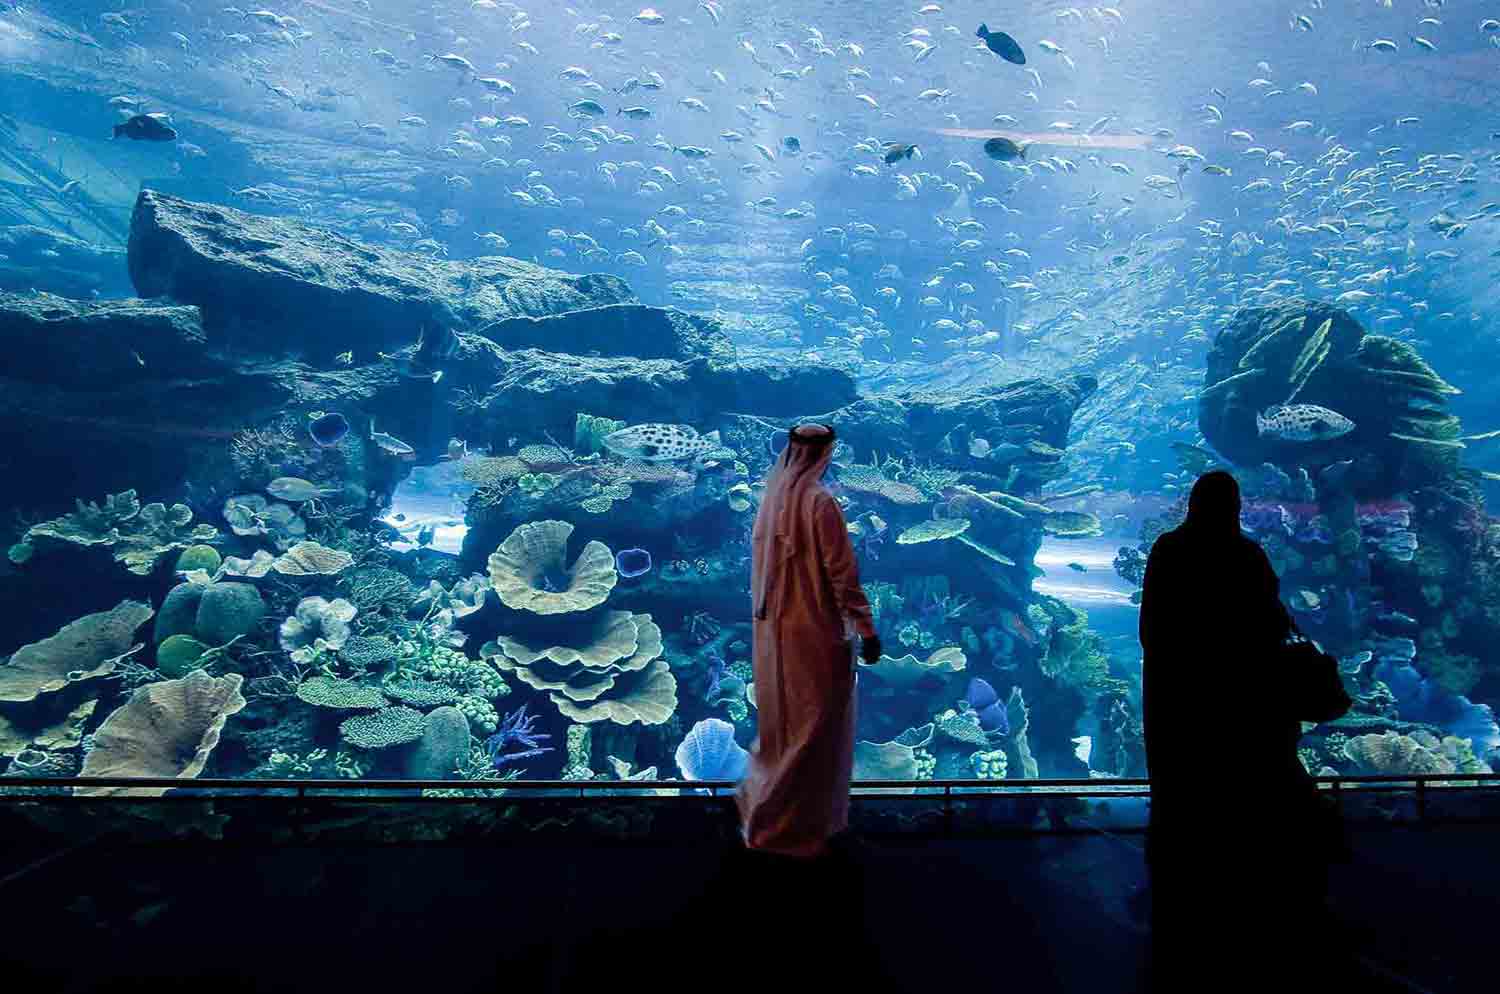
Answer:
(1302, 423)
(663, 443)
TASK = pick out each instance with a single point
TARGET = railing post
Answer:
(1421, 799)
(948, 810)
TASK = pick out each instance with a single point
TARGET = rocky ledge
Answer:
(280, 286)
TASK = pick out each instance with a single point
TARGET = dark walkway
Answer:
(1031, 914)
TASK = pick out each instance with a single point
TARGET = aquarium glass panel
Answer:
(391, 389)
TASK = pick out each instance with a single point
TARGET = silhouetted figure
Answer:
(1238, 874)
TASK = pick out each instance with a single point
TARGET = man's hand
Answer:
(869, 649)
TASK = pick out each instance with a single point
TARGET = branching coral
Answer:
(166, 729)
(529, 571)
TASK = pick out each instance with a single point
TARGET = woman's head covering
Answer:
(1214, 503)
(785, 505)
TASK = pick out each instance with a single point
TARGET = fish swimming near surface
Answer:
(1002, 45)
(147, 128)
(896, 152)
(663, 443)
(1003, 149)
(1302, 423)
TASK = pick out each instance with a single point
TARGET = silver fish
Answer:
(1302, 423)
(389, 443)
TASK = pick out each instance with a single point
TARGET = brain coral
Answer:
(529, 571)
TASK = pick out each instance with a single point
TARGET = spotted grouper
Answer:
(665, 443)
(1302, 423)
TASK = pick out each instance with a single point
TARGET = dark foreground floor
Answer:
(1024, 914)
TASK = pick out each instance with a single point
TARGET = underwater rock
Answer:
(96, 345)
(616, 330)
(43, 259)
(282, 286)
(1025, 424)
(136, 385)
(534, 393)
(1316, 357)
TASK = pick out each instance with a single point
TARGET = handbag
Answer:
(1317, 691)
(1317, 695)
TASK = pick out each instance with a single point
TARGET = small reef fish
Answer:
(1302, 423)
(296, 490)
(662, 443)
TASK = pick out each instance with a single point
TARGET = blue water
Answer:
(1202, 187)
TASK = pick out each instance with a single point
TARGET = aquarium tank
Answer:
(389, 388)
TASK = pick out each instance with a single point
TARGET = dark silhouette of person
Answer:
(1238, 866)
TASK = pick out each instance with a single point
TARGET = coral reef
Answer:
(83, 649)
(529, 570)
(166, 729)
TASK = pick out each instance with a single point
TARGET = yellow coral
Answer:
(167, 729)
(531, 561)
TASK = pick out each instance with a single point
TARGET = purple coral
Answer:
(993, 714)
(520, 729)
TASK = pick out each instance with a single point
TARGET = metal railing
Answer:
(686, 790)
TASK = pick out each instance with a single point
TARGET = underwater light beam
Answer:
(1051, 138)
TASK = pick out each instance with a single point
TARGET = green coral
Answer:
(443, 664)
(384, 728)
(377, 587)
(480, 712)
(933, 530)
(589, 431)
(580, 747)
(315, 764)
(990, 765)
(137, 535)
(536, 484)
(366, 652)
(204, 557)
(328, 692)
(909, 634)
(926, 764)
(178, 655)
(422, 694)
(1074, 655)
(1072, 524)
